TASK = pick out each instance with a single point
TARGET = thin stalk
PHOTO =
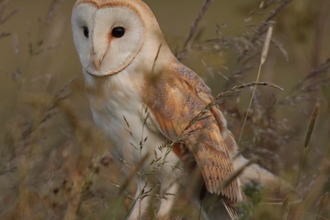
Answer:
(307, 140)
(264, 53)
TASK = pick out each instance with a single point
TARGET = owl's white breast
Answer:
(113, 98)
(116, 98)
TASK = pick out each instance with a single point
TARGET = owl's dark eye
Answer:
(118, 32)
(86, 31)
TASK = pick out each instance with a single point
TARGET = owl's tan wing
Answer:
(175, 96)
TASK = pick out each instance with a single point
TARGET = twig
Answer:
(180, 55)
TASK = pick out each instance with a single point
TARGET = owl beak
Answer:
(98, 59)
(97, 63)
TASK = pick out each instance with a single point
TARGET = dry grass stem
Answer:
(132, 175)
(307, 140)
(264, 26)
(55, 164)
(262, 61)
(186, 46)
(266, 47)
(4, 18)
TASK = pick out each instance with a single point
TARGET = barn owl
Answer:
(147, 102)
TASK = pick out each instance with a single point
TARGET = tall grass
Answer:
(55, 164)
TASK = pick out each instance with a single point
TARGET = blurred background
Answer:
(54, 163)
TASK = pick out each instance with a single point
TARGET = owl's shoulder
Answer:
(193, 82)
(190, 76)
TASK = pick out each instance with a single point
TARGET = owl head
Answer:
(109, 34)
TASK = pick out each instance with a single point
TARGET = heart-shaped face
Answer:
(107, 35)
